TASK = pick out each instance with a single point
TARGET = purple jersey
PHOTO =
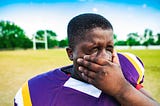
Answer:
(56, 88)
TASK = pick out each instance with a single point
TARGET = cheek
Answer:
(78, 54)
(109, 55)
(75, 56)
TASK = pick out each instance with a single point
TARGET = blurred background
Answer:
(33, 35)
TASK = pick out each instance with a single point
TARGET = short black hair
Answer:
(82, 23)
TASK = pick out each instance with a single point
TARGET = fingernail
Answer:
(86, 57)
(79, 60)
(82, 74)
(80, 68)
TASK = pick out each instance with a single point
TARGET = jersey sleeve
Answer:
(22, 97)
(132, 68)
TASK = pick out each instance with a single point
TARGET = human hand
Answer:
(103, 74)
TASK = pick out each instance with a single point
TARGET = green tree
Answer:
(115, 38)
(51, 34)
(120, 43)
(51, 38)
(63, 43)
(148, 37)
(12, 36)
(40, 35)
(158, 41)
(133, 39)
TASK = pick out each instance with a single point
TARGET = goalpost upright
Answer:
(40, 41)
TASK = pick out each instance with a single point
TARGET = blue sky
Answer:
(125, 15)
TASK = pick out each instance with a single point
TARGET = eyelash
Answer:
(109, 49)
(95, 49)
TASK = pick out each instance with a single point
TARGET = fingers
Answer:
(100, 61)
(88, 65)
(93, 63)
(88, 79)
(86, 73)
(88, 76)
(92, 68)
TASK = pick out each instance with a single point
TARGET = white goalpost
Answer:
(40, 41)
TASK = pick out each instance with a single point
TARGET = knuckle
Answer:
(85, 71)
(88, 64)
(89, 74)
(103, 71)
(95, 59)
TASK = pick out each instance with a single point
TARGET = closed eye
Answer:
(110, 48)
(95, 49)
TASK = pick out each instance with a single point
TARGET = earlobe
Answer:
(70, 53)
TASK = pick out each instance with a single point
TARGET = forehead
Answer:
(98, 35)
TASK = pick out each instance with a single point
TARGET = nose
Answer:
(105, 54)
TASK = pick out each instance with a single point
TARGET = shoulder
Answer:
(132, 67)
(38, 88)
(49, 77)
(131, 57)
(47, 80)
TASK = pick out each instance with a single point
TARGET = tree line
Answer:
(14, 37)
(134, 39)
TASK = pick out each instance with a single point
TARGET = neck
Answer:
(76, 74)
(73, 72)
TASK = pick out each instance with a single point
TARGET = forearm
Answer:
(132, 97)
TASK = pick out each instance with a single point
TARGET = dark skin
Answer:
(95, 62)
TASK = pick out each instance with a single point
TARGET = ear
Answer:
(70, 53)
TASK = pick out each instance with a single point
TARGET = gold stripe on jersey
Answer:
(138, 66)
(26, 95)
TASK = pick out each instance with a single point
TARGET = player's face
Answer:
(97, 42)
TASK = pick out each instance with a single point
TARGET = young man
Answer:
(98, 77)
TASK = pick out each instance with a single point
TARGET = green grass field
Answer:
(18, 66)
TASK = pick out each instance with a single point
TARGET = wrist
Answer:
(124, 92)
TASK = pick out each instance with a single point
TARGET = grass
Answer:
(18, 66)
